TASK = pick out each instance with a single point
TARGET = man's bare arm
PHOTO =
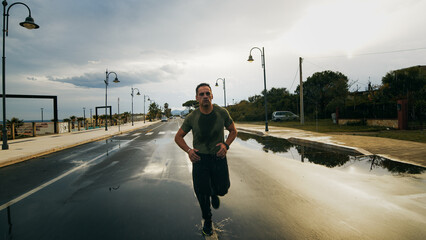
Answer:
(182, 144)
(232, 134)
(231, 137)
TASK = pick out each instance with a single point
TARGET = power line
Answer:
(374, 53)
(295, 75)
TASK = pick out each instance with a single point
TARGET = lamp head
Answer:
(138, 93)
(116, 80)
(250, 59)
(29, 23)
(217, 85)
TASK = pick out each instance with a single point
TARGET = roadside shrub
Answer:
(361, 122)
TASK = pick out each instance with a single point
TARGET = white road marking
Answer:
(161, 133)
(173, 132)
(23, 196)
(136, 134)
(149, 133)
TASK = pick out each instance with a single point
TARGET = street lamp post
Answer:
(132, 101)
(84, 118)
(106, 95)
(144, 116)
(41, 114)
(224, 89)
(29, 24)
(250, 59)
(118, 112)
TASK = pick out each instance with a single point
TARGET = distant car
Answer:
(164, 119)
(283, 116)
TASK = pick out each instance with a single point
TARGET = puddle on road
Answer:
(331, 159)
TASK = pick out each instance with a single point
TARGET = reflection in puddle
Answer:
(375, 164)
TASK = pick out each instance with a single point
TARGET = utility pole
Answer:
(119, 119)
(302, 115)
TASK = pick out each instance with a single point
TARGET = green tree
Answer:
(73, 119)
(125, 117)
(17, 123)
(323, 92)
(190, 104)
(409, 83)
(153, 111)
(80, 121)
(279, 99)
(254, 108)
(167, 110)
(403, 83)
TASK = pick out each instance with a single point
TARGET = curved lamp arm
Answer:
(28, 23)
(250, 59)
(136, 93)
(107, 75)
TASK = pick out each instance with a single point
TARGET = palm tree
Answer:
(17, 123)
(126, 116)
(80, 120)
(73, 118)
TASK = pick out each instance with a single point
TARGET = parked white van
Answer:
(283, 116)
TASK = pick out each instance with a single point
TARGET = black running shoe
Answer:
(215, 202)
(208, 228)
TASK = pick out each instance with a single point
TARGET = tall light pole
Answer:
(41, 114)
(118, 112)
(106, 95)
(144, 116)
(302, 114)
(250, 59)
(29, 24)
(132, 100)
(84, 118)
(224, 89)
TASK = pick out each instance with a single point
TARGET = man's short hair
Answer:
(202, 85)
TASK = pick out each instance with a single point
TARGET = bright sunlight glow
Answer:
(339, 27)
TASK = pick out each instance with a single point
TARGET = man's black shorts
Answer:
(210, 175)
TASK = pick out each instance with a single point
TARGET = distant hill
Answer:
(180, 112)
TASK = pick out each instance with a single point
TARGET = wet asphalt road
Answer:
(138, 186)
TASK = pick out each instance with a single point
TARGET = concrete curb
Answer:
(66, 146)
(311, 143)
(330, 146)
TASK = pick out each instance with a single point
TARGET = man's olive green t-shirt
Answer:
(207, 129)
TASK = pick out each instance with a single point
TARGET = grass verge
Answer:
(327, 126)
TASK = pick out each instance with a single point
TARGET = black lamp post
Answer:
(224, 89)
(132, 100)
(250, 59)
(144, 116)
(29, 24)
(106, 95)
(84, 118)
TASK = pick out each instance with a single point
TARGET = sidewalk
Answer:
(27, 148)
(397, 150)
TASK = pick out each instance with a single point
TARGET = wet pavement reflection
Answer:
(329, 158)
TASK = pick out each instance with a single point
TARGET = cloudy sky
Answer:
(166, 47)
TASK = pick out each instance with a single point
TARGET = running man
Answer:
(208, 156)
